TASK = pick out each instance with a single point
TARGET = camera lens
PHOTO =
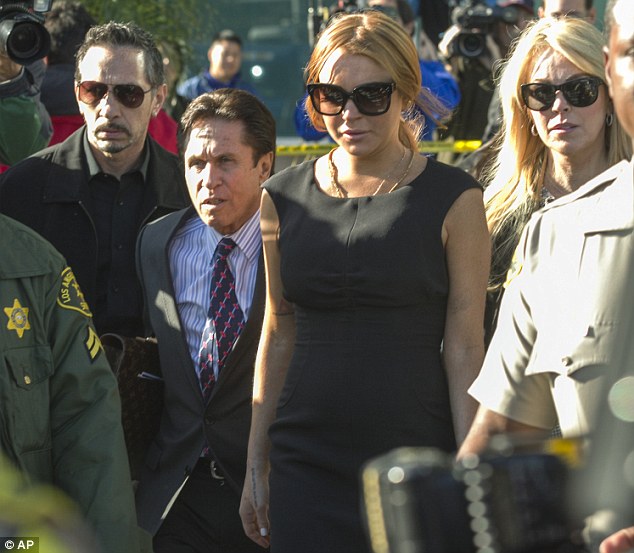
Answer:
(23, 38)
(471, 45)
(27, 42)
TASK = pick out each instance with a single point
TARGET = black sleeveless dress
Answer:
(369, 282)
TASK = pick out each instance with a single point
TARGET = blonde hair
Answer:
(516, 174)
(377, 36)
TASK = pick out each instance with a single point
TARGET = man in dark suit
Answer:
(90, 194)
(189, 490)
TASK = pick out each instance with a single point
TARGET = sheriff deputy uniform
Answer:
(566, 316)
(60, 414)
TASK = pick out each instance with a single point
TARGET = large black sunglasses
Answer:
(129, 95)
(370, 98)
(580, 93)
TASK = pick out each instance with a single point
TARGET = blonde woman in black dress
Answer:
(377, 260)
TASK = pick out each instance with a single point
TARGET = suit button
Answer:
(209, 421)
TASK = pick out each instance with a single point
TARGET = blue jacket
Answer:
(195, 86)
(434, 77)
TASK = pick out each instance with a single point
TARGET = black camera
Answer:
(23, 36)
(418, 500)
(475, 20)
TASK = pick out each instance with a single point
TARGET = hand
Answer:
(444, 46)
(254, 506)
(8, 68)
(619, 542)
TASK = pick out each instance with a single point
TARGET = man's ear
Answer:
(159, 99)
(265, 166)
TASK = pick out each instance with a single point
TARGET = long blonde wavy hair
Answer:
(516, 174)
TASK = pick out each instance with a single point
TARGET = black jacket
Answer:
(49, 193)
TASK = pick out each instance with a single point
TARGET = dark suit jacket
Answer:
(49, 193)
(227, 417)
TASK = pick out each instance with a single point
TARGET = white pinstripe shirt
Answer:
(190, 253)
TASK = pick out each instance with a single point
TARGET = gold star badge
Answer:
(18, 318)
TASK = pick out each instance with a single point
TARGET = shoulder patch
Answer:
(93, 343)
(70, 295)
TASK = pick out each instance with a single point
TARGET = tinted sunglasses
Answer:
(370, 99)
(580, 93)
(128, 95)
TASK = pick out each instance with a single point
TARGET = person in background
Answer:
(67, 23)
(91, 194)
(228, 142)
(376, 266)
(478, 116)
(225, 61)
(474, 162)
(559, 131)
(25, 125)
(565, 321)
(60, 414)
(173, 63)
(571, 8)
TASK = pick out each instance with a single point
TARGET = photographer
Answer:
(479, 37)
(25, 126)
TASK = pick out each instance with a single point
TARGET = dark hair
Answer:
(227, 34)
(67, 23)
(125, 35)
(232, 104)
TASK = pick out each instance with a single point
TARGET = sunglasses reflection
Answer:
(580, 92)
(128, 95)
(370, 98)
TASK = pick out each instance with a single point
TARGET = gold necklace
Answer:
(341, 193)
(403, 177)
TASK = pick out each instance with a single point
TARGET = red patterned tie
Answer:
(225, 319)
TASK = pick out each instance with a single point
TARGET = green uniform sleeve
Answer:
(89, 453)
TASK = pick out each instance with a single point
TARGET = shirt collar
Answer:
(248, 237)
(93, 166)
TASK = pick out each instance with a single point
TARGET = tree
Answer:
(185, 22)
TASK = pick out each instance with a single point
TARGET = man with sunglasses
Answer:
(91, 194)
(565, 325)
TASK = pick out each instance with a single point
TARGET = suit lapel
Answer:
(166, 298)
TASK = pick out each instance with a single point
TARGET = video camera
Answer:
(476, 19)
(23, 36)
(419, 500)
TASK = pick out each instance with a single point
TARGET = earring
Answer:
(533, 130)
(609, 119)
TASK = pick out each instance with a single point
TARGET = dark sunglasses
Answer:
(370, 99)
(580, 93)
(129, 95)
